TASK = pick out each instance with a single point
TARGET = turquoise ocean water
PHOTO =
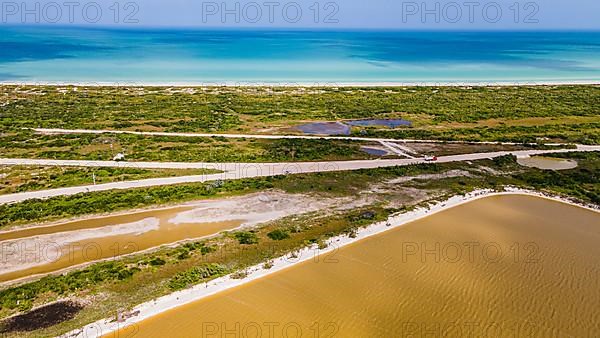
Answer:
(163, 56)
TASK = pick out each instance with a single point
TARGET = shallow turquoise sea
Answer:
(163, 56)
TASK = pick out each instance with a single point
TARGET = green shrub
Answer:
(246, 237)
(23, 296)
(157, 261)
(195, 275)
(207, 249)
(278, 234)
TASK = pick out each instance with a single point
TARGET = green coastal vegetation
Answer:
(246, 237)
(278, 234)
(223, 109)
(26, 144)
(127, 281)
(536, 114)
(567, 113)
(581, 133)
(15, 179)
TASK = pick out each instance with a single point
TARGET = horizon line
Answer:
(133, 27)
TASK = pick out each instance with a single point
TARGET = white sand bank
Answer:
(24, 253)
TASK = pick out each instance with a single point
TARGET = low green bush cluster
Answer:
(195, 275)
(246, 237)
(185, 251)
(22, 296)
(278, 235)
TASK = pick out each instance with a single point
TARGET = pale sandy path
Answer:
(397, 149)
(257, 136)
(235, 170)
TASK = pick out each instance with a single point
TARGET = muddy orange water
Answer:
(508, 266)
(103, 246)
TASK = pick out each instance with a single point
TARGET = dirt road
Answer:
(234, 170)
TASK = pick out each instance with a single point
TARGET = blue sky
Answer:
(375, 14)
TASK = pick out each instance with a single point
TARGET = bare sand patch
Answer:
(41, 250)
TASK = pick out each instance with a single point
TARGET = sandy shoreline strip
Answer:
(165, 303)
(309, 84)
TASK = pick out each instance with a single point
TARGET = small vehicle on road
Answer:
(430, 158)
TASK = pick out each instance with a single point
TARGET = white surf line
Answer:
(395, 149)
(259, 136)
(234, 171)
(165, 303)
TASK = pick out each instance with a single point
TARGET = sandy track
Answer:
(54, 131)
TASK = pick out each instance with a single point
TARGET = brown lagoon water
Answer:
(502, 266)
(52, 248)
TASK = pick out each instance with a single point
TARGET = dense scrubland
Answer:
(26, 144)
(225, 108)
(520, 113)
